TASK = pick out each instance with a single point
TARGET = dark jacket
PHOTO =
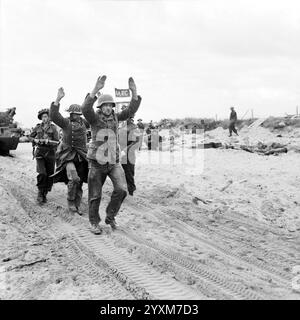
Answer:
(233, 116)
(141, 125)
(104, 146)
(73, 146)
(44, 131)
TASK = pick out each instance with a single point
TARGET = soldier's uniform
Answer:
(103, 156)
(44, 153)
(129, 139)
(232, 122)
(72, 165)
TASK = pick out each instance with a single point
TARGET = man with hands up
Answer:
(103, 152)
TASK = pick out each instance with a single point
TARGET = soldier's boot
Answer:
(78, 198)
(72, 186)
(40, 197)
(113, 207)
(95, 229)
(71, 206)
(112, 222)
(45, 196)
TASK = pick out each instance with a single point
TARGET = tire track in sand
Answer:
(155, 284)
(277, 275)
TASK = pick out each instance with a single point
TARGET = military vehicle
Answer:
(9, 132)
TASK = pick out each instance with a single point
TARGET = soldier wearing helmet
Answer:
(103, 152)
(44, 138)
(72, 166)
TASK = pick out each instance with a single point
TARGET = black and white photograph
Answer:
(149, 151)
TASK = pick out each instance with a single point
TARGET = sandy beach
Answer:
(224, 224)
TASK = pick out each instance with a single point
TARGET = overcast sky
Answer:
(188, 58)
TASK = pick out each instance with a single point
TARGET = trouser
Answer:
(96, 178)
(149, 143)
(74, 185)
(160, 143)
(45, 168)
(232, 128)
(129, 175)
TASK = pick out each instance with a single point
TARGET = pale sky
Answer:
(188, 58)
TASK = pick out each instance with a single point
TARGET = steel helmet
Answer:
(74, 108)
(42, 111)
(105, 98)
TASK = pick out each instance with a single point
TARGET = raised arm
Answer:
(54, 113)
(87, 125)
(87, 107)
(134, 103)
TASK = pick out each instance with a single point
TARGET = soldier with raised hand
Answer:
(72, 165)
(44, 138)
(103, 153)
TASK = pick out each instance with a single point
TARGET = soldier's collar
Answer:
(76, 120)
(47, 124)
(110, 117)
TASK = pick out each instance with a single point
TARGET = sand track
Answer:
(156, 253)
(204, 238)
(141, 277)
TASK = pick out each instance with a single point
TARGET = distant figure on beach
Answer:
(140, 124)
(149, 134)
(232, 122)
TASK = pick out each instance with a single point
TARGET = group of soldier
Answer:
(72, 161)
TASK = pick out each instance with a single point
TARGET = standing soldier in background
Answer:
(103, 153)
(151, 126)
(140, 124)
(44, 138)
(232, 122)
(72, 165)
(149, 135)
(129, 138)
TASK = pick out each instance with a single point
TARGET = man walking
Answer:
(103, 152)
(72, 165)
(44, 138)
(232, 122)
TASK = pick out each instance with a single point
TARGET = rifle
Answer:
(42, 142)
(46, 141)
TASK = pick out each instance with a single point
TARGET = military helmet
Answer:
(74, 108)
(105, 98)
(42, 111)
